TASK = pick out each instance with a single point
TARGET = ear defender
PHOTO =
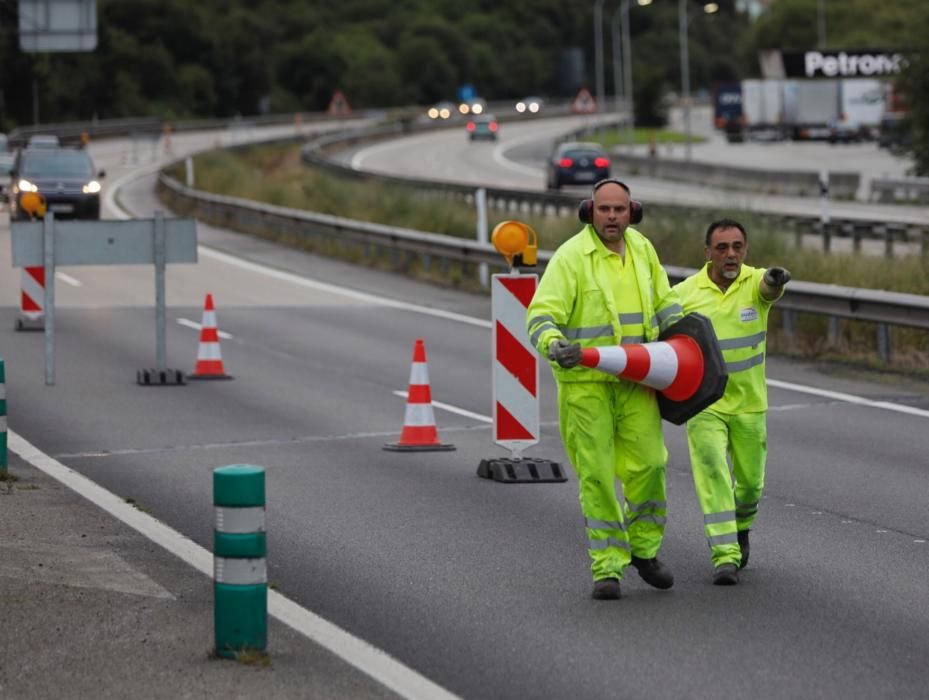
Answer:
(585, 211)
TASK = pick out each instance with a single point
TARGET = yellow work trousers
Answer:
(612, 432)
(729, 499)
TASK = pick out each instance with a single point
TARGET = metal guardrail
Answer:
(406, 247)
(316, 153)
(70, 132)
(793, 183)
(409, 117)
(909, 190)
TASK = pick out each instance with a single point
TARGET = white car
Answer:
(43, 141)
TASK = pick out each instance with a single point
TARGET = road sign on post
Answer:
(157, 242)
(584, 103)
(466, 93)
(57, 25)
(338, 105)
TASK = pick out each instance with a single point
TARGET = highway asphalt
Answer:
(481, 588)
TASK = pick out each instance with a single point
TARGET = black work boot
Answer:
(726, 575)
(606, 589)
(653, 572)
(743, 545)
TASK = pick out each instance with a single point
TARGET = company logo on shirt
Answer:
(748, 314)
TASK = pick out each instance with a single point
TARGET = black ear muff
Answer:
(585, 211)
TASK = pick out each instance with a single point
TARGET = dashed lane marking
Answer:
(452, 409)
(850, 398)
(197, 327)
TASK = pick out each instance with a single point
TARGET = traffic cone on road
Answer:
(419, 432)
(209, 357)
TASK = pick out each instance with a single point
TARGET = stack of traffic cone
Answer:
(209, 357)
(419, 432)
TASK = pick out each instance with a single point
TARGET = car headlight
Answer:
(91, 187)
(26, 186)
(520, 107)
(433, 113)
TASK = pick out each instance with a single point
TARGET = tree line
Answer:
(218, 58)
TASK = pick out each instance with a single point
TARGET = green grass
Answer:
(135, 504)
(245, 656)
(275, 174)
(641, 135)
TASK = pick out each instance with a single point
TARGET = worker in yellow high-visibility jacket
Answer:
(737, 299)
(605, 286)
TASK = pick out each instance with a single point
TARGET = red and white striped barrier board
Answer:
(32, 299)
(516, 364)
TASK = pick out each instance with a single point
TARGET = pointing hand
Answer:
(776, 276)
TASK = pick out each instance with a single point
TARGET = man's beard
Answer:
(730, 274)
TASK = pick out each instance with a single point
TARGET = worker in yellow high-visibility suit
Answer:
(605, 286)
(736, 298)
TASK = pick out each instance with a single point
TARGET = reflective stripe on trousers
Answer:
(729, 500)
(613, 431)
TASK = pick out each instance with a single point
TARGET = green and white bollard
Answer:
(240, 573)
(3, 457)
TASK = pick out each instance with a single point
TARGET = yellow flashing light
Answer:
(34, 204)
(514, 238)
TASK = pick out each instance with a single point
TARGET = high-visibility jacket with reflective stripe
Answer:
(740, 319)
(575, 300)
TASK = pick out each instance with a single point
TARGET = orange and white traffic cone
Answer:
(209, 357)
(419, 432)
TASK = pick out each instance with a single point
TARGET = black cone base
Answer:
(521, 471)
(715, 375)
(160, 377)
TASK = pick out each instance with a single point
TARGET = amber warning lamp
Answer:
(516, 242)
(33, 204)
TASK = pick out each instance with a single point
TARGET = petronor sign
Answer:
(842, 64)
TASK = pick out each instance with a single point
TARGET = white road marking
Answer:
(196, 326)
(68, 279)
(109, 197)
(849, 398)
(366, 658)
(359, 157)
(344, 291)
(452, 409)
(482, 323)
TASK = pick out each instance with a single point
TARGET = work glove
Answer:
(565, 353)
(776, 276)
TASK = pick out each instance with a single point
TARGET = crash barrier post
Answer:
(3, 453)
(240, 573)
